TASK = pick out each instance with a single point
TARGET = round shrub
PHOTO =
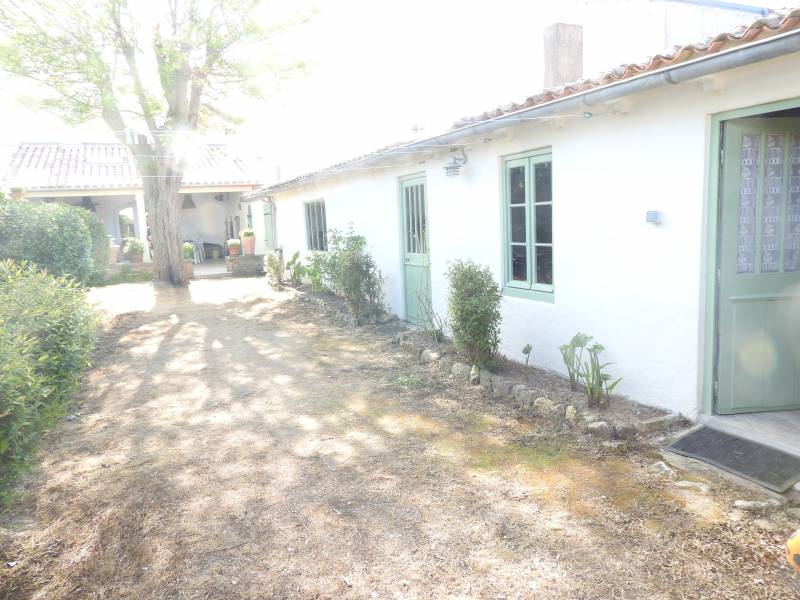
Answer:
(47, 333)
(474, 311)
(352, 273)
(54, 236)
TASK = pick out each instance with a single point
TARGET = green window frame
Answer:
(528, 225)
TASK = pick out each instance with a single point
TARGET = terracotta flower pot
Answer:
(234, 250)
(249, 245)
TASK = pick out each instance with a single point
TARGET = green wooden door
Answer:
(416, 261)
(269, 226)
(758, 365)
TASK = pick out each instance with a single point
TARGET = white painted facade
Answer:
(638, 288)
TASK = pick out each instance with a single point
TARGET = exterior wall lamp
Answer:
(453, 166)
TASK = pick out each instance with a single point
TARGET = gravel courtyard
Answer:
(231, 443)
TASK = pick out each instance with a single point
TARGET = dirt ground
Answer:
(230, 444)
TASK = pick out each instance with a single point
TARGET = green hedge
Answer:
(65, 240)
(100, 242)
(47, 333)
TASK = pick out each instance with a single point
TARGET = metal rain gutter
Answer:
(739, 56)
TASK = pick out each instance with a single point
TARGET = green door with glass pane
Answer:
(416, 260)
(269, 225)
(758, 362)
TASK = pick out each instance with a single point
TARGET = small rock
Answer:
(697, 486)
(600, 429)
(474, 375)
(658, 424)
(71, 417)
(612, 444)
(662, 468)
(625, 431)
(461, 372)
(794, 512)
(757, 506)
(429, 356)
(571, 414)
(543, 406)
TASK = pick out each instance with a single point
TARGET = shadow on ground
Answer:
(230, 444)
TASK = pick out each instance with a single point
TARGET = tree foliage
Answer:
(154, 71)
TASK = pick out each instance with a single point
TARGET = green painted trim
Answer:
(522, 289)
(515, 292)
(423, 177)
(712, 240)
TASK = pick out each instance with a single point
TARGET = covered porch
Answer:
(208, 217)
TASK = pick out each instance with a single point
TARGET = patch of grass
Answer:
(124, 275)
(535, 456)
(408, 381)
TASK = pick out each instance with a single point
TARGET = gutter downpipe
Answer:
(739, 56)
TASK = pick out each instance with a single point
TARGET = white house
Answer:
(656, 207)
(103, 178)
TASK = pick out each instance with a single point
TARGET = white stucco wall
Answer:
(638, 288)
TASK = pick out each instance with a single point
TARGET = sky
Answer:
(382, 71)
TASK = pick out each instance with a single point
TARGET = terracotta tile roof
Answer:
(778, 22)
(94, 166)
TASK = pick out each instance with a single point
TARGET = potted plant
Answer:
(133, 249)
(248, 241)
(188, 259)
(234, 247)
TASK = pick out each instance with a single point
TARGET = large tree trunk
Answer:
(161, 195)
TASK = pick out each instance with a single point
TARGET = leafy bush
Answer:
(188, 250)
(54, 236)
(572, 355)
(296, 269)
(100, 241)
(47, 332)
(352, 272)
(590, 373)
(273, 267)
(474, 311)
(247, 233)
(315, 270)
(526, 350)
(132, 246)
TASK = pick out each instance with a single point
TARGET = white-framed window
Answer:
(316, 225)
(528, 224)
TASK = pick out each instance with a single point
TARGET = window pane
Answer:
(519, 263)
(516, 185)
(544, 183)
(544, 223)
(544, 264)
(518, 224)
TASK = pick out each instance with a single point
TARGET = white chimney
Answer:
(563, 54)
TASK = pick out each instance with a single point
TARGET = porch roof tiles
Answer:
(97, 166)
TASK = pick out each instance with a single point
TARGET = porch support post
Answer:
(141, 224)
